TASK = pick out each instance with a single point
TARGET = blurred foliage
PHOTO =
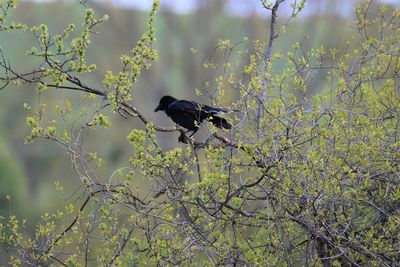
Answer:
(39, 167)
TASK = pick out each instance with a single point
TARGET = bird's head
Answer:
(164, 102)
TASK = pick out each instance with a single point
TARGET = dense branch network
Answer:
(294, 178)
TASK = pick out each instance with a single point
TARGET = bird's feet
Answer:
(183, 138)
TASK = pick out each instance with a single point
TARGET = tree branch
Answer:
(267, 59)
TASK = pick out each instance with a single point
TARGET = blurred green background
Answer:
(28, 172)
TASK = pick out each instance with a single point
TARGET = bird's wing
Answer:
(213, 110)
(194, 107)
(184, 106)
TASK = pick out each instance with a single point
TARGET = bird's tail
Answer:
(220, 122)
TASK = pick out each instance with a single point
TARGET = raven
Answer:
(190, 114)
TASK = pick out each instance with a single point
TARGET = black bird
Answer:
(190, 114)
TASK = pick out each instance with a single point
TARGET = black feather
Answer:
(190, 114)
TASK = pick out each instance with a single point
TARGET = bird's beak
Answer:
(157, 108)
